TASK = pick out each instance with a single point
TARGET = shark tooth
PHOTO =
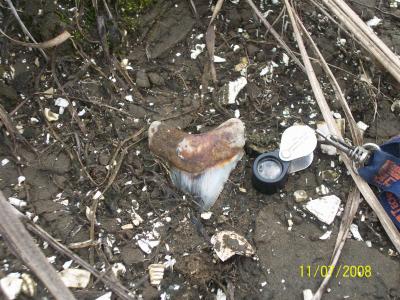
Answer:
(200, 163)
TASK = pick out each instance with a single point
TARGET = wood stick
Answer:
(23, 27)
(59, 39)
(21, 242)
(276, 35)
(364, 188)
(365, 36)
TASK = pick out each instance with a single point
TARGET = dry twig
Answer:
(23, 27)
(59, 39)
(23, 245)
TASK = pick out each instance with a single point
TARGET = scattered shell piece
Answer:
(11, 285)
(62, 104)
(368, 243)
(118, 269)
(21, 179)
(300, 196)
(395, 107)
(324, 208)
(29, 286)
(218, 59)
(50, 116)
(362, 126)
(220, 295)
(67, 264)
(75, 278)
(237, 113)
(206, 215)
(4, 162)
(136, 219)
(356, 234)
(17, 202)
(129, 98)
(234, 88)
(326, 235)
(285, 59)
(198, 49)
(156, 273)
(375, 21)
(106, 296)
(127, 227)
(322, 190)
(228, 243)
(146, 246)
(307, 294)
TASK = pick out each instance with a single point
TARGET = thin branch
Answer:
(59, 39)
(23, 27)
(19, 240)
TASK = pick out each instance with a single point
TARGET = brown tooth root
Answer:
(194, 153)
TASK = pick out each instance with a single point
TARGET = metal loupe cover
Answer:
(269, 172)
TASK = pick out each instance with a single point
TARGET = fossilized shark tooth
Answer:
(200, 163)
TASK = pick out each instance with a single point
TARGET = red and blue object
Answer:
(383, 171)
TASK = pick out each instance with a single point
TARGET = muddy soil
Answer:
(94, 145)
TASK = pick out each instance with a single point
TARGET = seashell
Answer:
(75, 278)
(324, 208)
(228, 243)
(29, 286)
(50, 116)
(156, 273)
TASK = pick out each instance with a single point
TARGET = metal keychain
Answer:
(358, 154)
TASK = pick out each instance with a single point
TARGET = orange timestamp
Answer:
(339, 271)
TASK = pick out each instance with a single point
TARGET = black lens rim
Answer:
(269, 186)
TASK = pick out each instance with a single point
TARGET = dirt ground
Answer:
(66, 161)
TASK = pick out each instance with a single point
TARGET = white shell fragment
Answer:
(17, 202)
(326, 235)
(106, 296)
(228, 243)
(156, 273)
(356, 234)
(75, 278)
(50, 116)
(324, 208)
(198, 49)
(375, 21)
(235, 87)
(11, 285)
(218, 59)
(62, 104)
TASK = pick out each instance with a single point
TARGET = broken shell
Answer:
(11, 285)
(324, 208)
(75, 278)
(201, 163)
(228, 243)
(395, 107)
(300, 196)
(62, 104)
(50, 116)
(29, 286)
(156, 273)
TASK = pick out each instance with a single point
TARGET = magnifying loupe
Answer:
(269, 172)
